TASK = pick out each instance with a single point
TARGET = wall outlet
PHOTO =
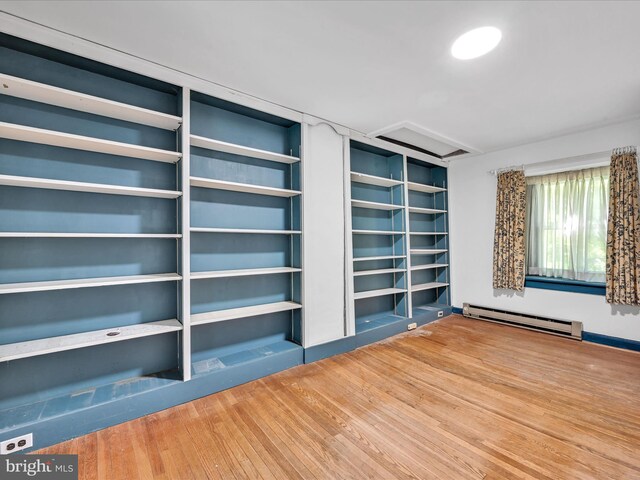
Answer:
(16, 444)
(440, 314)
(412, 326)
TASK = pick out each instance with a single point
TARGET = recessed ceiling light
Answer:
(476, 43)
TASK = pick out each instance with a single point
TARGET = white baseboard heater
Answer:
(563, 328)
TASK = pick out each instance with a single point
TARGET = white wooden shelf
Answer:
(373, 180)
(421, 187)
(428, 286)
(427, 251)
(242, 187)
(376, 232)
(429, 266)
(89, 144)
(242, 312)
(382, 271)
(14, 351)
(7, 288)
(217, 145)
(375, 205)
(243, 272)
(426, 211)
(377, 293)
(428, 233)
(40, 92)
(381, 257)
(86, 235)
(244, 230)
(49, 184)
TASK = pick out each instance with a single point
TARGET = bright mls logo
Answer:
(50, 467)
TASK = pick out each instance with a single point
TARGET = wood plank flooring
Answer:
(457, 399)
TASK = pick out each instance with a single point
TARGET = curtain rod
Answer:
(616, 151)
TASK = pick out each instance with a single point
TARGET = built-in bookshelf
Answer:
(428, 236)
(378, 236)
(245, 232)
(89, 229)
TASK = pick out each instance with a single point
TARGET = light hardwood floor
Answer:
(456, 399)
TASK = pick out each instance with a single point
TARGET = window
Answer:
(567, 225)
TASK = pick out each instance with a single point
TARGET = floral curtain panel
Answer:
(509, 238)
(623, 232)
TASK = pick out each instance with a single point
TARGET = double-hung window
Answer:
(567, 225)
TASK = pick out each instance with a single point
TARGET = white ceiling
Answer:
(561, 66)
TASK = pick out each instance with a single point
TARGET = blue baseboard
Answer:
(329, 349)
(457, 310)
(161, 393)
(611, 341)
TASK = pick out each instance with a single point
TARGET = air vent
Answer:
(415, 137)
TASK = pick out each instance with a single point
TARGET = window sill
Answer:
(565, 285)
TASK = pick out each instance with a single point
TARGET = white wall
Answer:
(472, 215)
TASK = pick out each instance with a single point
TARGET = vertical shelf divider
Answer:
(407, 236)
(350, 314)
(185, 250)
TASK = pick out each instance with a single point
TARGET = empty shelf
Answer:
(429, 266)
(428, 233)
(375, 205)
(381, 271)
(40, 92)
(49, 184)
(242, 312)
(373, 180)
(86, 283)
(377, 293)
(428, 286)
(14, 351)
(243, 272)
(376, 232)
(420, 187)
(211, 144)
(426, 211)
(244, 230)
(90, 144)
(427, 251)
(381, 257)
(242, 187)
(86, 235)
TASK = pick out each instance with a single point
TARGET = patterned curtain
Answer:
(623, 231)
(509, 239)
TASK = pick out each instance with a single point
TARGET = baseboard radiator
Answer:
(563, 328)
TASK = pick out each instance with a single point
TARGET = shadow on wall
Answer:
(503, 292)
(625, 310)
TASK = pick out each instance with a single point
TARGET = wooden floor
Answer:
(456, 399)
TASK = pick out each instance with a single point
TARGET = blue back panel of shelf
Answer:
(215, 120)
(223, 293)
(377, 245)
(429, 241)
(429, 275)
(226, 209)
(33, 379)
(41, 64)
(237, 336)
(374, 193)
(236, 251)
(40, 115)
(427, 200)
(426, 173)
(379, 264)
(373, 282)
(43, 259)
(420, 222)
(237, 168)
(367, 308)
(372, 219)
(428, 297)
(35, 315)
(375, 161)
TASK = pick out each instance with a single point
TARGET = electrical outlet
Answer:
(16, 444)
(440, 314)
(412, 326)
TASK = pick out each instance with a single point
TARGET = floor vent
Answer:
(563, 328)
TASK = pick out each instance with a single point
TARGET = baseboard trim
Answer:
(457, 310)
(329, 349)
(617, 342)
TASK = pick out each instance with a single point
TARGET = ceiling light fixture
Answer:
(476, 42)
